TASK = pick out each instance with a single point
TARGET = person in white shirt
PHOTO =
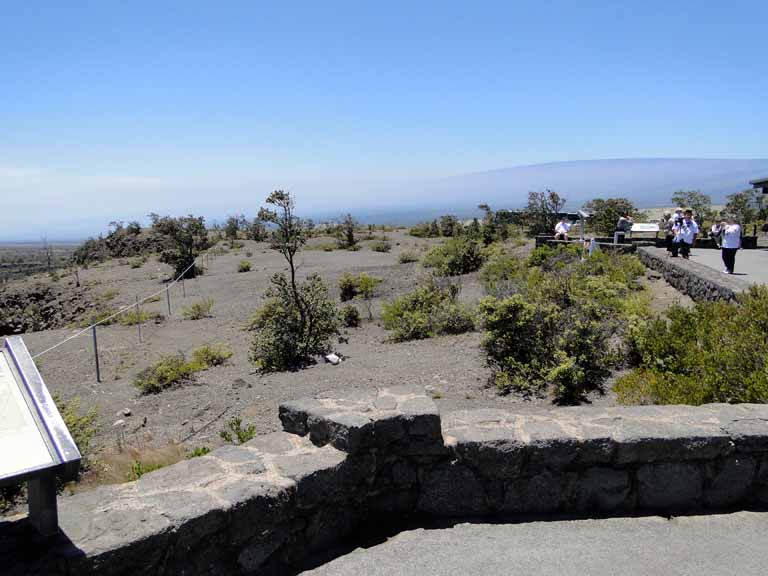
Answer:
(685, 235)
(561, 229)
(731, 242)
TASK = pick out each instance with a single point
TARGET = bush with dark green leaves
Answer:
(454, 257)
(381, 246)
(712, 352)
(351, 286)
(350, 316)
(428, 311)
(287, 336)
(187, 238)
(556, 322)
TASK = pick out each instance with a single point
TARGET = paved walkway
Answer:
(751, 265)
(686, 546)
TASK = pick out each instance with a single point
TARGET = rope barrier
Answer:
(125, 308)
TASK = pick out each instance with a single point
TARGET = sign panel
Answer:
(21, 440)
(645, 227)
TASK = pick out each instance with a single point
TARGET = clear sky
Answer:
(111, 109)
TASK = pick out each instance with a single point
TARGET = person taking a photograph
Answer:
(685, 235)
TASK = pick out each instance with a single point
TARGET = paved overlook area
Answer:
(681, 546)
(751, 265)
(289, 501)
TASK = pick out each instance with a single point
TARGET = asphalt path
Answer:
(683, 546)
(751, 265)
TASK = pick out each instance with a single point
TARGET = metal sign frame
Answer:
(64, 456)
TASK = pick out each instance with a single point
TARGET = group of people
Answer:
(681, 230)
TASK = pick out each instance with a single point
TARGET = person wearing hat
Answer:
(674, 222)
(731, 242)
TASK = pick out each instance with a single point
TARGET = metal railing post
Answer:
(96, 355)
(138, 317)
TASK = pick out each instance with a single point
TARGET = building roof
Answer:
(760, 183)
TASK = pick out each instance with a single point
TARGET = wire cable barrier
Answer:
(203, 256)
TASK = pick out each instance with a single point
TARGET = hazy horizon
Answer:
(109, 111)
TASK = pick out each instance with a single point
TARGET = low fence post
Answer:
(138, 317)
(183, 288)
(96, 354)
(168, 298)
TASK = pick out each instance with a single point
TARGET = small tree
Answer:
(434, 229)
(744, 206)
(298, 320)
(541, 213)
(232, 227)
(366, 287)
(256, 230)
(188, 237)
(449, 225)
(696, 200)
(346, 232)
(473, 230)
(606, 212)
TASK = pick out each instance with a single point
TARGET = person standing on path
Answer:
(685, 235)
(731, 242)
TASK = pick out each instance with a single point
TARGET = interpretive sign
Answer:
(645, 227)
(35, 445)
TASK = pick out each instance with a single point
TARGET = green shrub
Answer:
(347, 287)
(713, 352)
(166, 372)
(556, 322)
(208, 356)
(455, 257)
(235, 433)
(502, 274)
(81, 426)
(244, 266)
(138, 262)
(288, 337)
(198, 310)
(138, 469)
(108, 295)
(381, 246)
(174, 370)
(103, 317)
(407, 257)
(198, 451)
(351, 286)
(426, 312)
(350, 316)
(132, 317)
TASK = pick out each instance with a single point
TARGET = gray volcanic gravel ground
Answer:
(452, 367)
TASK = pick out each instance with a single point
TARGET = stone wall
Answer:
(696, 280)
(261, 508)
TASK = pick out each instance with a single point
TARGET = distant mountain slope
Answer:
(647, 182)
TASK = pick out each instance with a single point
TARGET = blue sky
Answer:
(115, 109)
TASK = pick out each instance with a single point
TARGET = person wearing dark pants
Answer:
(731, 242)
(685, 235)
